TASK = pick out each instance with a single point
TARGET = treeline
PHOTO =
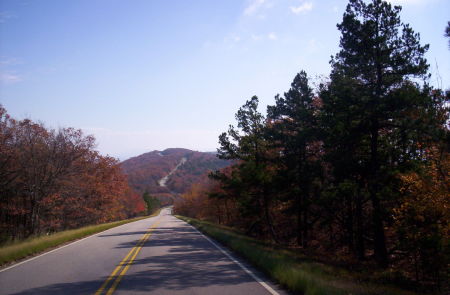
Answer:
(356, 170)
(51, 180)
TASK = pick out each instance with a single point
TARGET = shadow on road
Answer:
(88, 287)
(188, 260)
(174, 258)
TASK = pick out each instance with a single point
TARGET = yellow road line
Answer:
(100, 290)
(125, 262)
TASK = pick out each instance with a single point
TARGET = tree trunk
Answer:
(360, 250)
(299, 220)
(268, 218)
(305, 226)
(227, 211)
(379, 237)
(349, 223)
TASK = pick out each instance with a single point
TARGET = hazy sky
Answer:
(146, 75)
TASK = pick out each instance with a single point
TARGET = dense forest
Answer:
(51, 180)
(355, 171)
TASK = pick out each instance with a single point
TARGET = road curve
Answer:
(158, 255)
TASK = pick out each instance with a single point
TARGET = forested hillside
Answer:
(52, 180)
(356, 171)
(145, 172)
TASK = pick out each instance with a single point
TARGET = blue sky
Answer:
(145, 75)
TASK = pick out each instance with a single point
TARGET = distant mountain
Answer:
(169, 173)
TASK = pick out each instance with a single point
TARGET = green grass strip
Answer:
(296, 273)
(35, 245)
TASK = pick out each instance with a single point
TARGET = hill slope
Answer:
(171, 172)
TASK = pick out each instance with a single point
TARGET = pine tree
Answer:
(293, 131)
(380, 62)
(250, 178)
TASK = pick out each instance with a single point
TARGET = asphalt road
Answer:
(158, 255)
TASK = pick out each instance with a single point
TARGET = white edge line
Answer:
(70, 244)
(257, 278)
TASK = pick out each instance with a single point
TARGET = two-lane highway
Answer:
(158, 255)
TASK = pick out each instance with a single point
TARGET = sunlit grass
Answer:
(34, 245)
(298, 274)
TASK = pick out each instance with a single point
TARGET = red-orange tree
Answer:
(54, 179)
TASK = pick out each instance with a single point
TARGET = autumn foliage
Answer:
(145, 171)
(332, 220)
(51, 180)
(354, 172)
(422, 218)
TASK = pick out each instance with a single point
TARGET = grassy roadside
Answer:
(35, 245)
(297, 274)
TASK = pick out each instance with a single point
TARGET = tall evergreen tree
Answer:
(380, 62)
(251, 178)
(293, 130)
(345, 148)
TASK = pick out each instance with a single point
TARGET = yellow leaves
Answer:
(424, 212)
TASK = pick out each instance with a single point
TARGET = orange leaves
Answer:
(54, 179)
(422, 220)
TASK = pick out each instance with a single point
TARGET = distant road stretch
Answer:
(158, 255)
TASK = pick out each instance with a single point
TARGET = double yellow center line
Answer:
(125, 264)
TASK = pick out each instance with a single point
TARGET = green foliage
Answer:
(250, 178)
(327, 170)
(293, 132)
(375, 118)
(151, 203)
